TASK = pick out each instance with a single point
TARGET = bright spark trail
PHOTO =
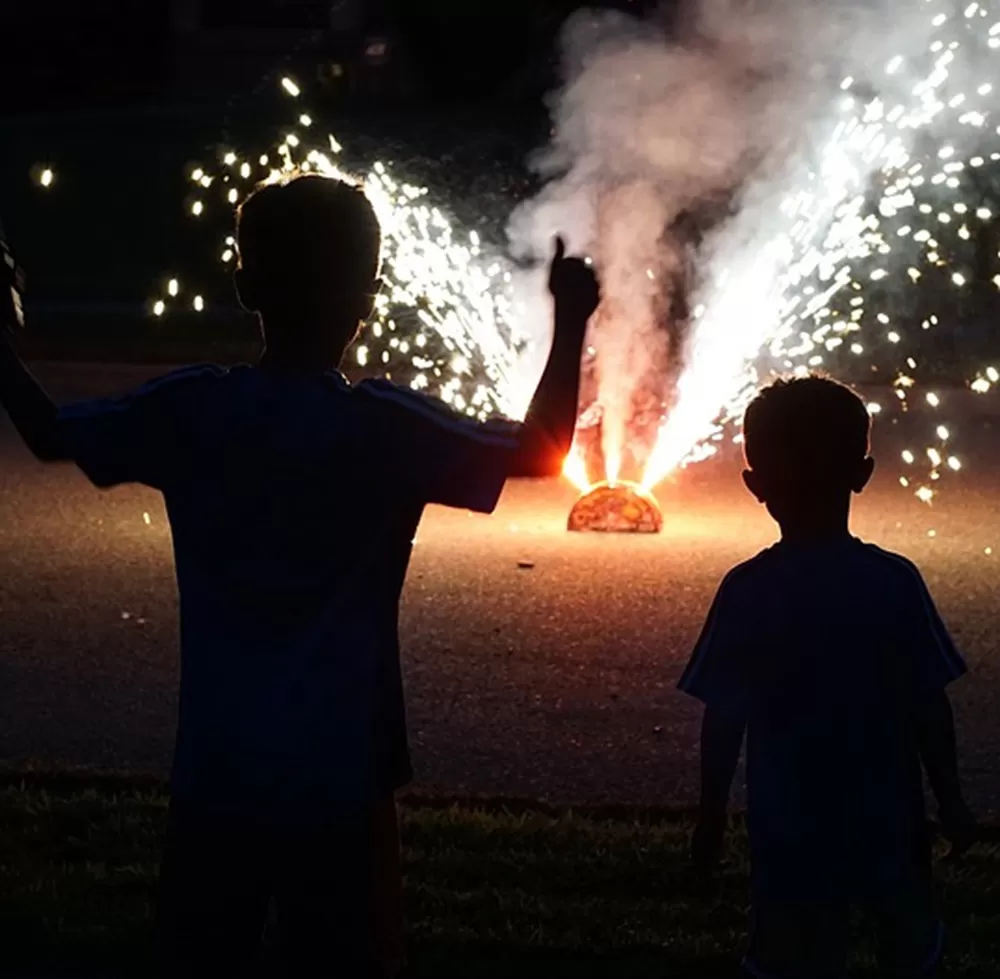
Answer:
(870, 250)
(444, 308)
(874, 211)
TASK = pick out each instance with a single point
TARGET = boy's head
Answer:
(806, 443)
(309, 253)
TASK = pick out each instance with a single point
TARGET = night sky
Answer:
(64, 54)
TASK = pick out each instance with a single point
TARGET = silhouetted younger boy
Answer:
(831, 654)
(293, 500)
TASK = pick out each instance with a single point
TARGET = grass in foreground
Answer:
(491, 890)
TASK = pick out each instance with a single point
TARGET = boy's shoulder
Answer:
(384, 391)
(402, 403)
(890, 561)
(850, 557)
(187, 376)
(752, 569)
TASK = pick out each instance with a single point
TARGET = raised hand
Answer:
(573, 284)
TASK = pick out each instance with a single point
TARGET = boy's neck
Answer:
(316, 356)
(814, 531)
(817, 527)
(296, 359)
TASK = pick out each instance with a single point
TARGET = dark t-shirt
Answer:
(829, 649)
(293, 502)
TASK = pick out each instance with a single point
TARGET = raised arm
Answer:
(549, 425)
(31, 410)
(138, 437)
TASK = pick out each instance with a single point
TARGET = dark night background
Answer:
(123, 97)
(64, 53)
(120, 97)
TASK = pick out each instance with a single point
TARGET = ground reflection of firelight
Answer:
(616, 508)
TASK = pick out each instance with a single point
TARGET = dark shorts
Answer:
(222, 878)
(811, 942)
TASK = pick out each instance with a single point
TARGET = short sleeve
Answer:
(933, 659)
(718, 669)
(139, 437)
(432, 452)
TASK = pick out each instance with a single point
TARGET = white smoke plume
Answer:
(673, 144)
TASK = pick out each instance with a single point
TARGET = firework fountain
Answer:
(765, 188)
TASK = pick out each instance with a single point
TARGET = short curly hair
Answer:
(810, 430)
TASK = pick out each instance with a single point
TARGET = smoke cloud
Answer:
(674, 142)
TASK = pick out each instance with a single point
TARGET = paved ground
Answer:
(554, 681)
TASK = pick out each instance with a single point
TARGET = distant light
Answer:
(158, 307)
(229, 159)
(173, 287)
(233, 195)
(290, 87)
(47, 177)
(199, 304)
(305, 119)
(377, 50)
(196, 208)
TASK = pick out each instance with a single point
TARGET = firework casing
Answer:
(616, 508)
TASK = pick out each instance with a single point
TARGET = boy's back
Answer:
(830, 654)
(832, 645)
(293, 501)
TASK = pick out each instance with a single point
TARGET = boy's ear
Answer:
(863, 475)
(367, 304)
(753, 482)
(244, 291)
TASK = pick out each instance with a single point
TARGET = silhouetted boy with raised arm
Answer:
(832, 656)
(293, 500)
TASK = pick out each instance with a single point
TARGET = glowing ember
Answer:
(616, 508)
